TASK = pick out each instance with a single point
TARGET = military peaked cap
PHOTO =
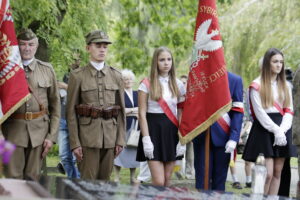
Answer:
(26, 34)
(97, 36)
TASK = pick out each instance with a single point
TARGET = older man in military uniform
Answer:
(95, 111)
(33, 127)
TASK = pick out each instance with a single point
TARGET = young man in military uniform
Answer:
(95, 111)
(33, 127)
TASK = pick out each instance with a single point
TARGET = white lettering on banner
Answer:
(201, 83)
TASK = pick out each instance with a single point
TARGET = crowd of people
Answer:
(94, 110)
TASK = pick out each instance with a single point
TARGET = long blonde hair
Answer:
(156, 89)
(266, 94)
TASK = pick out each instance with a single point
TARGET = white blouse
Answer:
(261, 113)
(154, 107)
(129, 93)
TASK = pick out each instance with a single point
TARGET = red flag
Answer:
(13, 85)
(208, 95)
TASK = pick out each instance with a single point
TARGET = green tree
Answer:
(250, 28)
(136, 27)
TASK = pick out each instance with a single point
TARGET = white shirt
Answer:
(130, 95)
(261, 113)
(154, 107)
(97, 66)
(27, 62)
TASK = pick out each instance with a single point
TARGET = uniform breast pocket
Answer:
(43, 88)
(89, 95)
(110, 93)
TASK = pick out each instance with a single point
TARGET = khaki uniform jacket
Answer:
(41, 77)
(98, 88)
(296, 100)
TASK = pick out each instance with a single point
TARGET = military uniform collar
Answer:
(31, 64)
(93, 71)
(98, 66)
(27, 62)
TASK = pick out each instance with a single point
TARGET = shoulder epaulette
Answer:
(78, 69)
(44, 63)
(115, 69)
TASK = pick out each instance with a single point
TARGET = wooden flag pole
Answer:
(206, 167)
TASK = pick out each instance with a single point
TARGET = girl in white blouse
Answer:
(158, 117)
(271, 106)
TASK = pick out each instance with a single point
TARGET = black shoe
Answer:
(237, 185)
(61, 168)
(248, 185)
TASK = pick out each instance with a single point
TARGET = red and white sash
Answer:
(281, 110)
(164, 106)
(225, 120)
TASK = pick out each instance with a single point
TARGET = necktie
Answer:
(26, 69)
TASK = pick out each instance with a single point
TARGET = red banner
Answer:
(208, 96)
(13, 85)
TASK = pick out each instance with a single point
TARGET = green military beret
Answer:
(26, 34)
(97, 36)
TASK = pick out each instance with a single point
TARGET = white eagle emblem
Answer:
(204, 41)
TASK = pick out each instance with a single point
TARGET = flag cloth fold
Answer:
(13, 85)
(208, 96)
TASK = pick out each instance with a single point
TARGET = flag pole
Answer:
(206, 167)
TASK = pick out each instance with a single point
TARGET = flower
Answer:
(6, 150)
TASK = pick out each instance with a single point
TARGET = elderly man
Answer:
(33, 127)
(95, 111)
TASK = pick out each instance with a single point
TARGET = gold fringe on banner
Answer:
(14, 108)
(205, 125)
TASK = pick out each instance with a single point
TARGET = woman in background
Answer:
(127, 157)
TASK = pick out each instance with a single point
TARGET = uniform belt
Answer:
(97, 112)
(28, 115)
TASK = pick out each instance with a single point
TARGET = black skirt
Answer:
(163, 134)
(261, 140)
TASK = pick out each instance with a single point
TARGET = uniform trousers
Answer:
(97, 163)
(285, 181)
(218, 164)
(25, 163)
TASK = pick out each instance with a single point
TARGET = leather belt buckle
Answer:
(28, 116)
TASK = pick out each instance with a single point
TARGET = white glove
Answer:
(148, 147)
(230, 146)
(180, 149)
(279, 138)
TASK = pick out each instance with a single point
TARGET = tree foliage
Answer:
(136, 27)
(145, 25)
(249, 28)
